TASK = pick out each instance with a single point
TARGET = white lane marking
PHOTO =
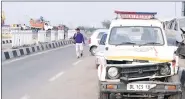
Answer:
(75, 63)
(56, 76)
(35, 54)
(25, 97)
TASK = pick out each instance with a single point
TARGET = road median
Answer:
(7, 41)
(9, 54)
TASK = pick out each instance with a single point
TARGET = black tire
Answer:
(97, 66)
(176, 78)
(112, 96)
(100, 94)
(177, 96)
(92, 50)
(104, 96)
(183, 93)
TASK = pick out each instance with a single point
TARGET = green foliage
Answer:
(106, 23)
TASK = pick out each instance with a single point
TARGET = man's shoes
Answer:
(78, 57)
(81, 54)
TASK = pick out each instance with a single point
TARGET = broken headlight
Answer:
(165, 70)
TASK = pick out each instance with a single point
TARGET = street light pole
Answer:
(175, 9)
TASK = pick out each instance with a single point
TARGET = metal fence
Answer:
(21, 38)
(28, 37)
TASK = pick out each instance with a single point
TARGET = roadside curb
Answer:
(29, 50)
(6, 41)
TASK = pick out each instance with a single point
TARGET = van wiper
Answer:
(151, 43)
(126, 43)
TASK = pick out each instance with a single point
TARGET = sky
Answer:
(75, 14)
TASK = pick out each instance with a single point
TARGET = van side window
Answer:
(100, 35)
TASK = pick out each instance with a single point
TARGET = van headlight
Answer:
(165, 70)
(113, 72)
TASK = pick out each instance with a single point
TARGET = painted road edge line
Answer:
(15, 53)
(75, 63)
(56, 76)
(25, 97)
(35, 54)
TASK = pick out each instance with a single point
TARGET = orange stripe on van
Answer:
(137, 57)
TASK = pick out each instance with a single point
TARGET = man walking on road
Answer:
(79, 40)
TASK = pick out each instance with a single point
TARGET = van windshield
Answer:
(136, 35)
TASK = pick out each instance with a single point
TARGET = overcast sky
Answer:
(82, 13)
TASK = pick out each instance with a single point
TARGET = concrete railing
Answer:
(27, 37)
(72, 32)
(20, 38)
(15, 53)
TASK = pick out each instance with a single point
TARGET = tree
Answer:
(91, 29)
(65, 28)
(81, 27)
(41, 18)
(106, 23)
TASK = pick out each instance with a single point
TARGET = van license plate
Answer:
(140, 87)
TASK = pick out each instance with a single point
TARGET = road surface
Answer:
(57, 74)
(54, 74)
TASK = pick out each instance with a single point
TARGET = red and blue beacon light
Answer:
(135, 15)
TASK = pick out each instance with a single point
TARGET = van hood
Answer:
(152, 54)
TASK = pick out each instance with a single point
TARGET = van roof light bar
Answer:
(135, 15)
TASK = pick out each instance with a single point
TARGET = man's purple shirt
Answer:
(79, 38)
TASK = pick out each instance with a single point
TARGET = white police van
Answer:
(137, 62)
(177, 27)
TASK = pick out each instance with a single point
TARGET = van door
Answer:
(101, 46)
